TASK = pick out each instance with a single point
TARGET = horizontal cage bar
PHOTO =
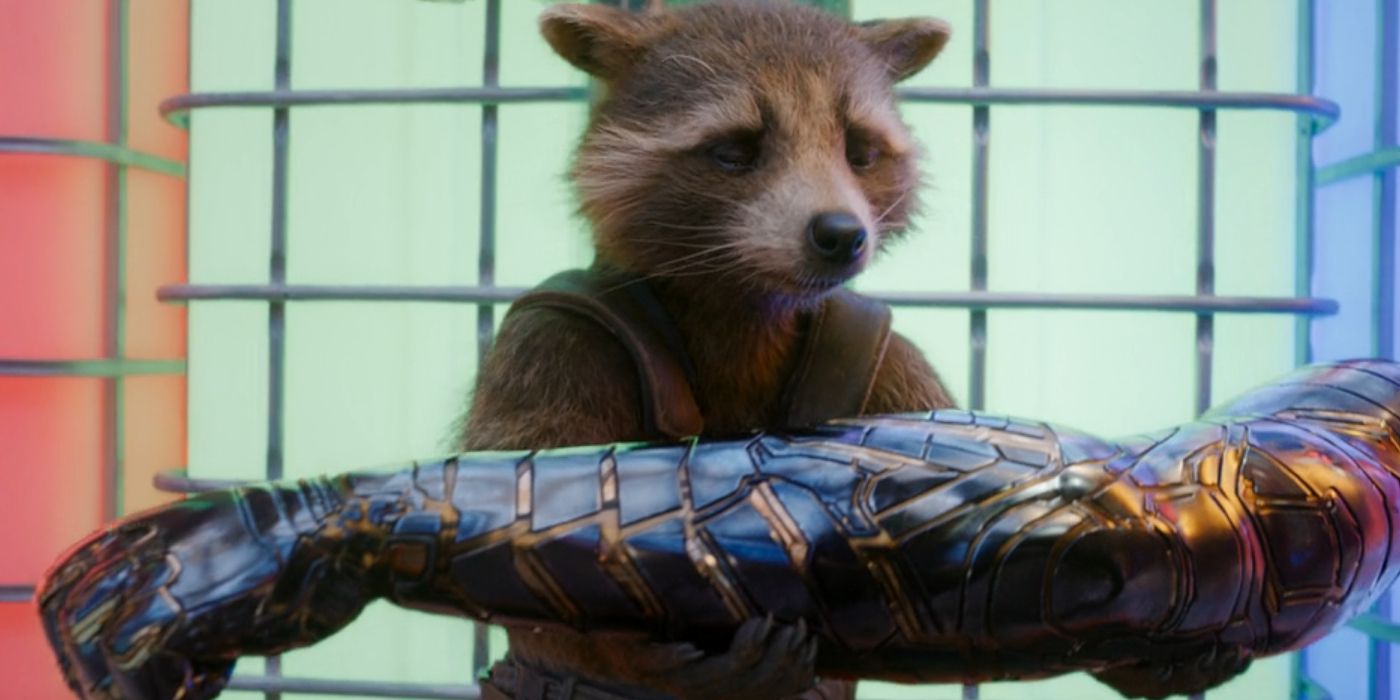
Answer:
(1364, 164)
(1376, 627)
(16, 594)
(89, 368)
(959, 300)
(317, 686)
(1308, 689)
(381, 689)
(175, 109)
(178, 481)
(120, 155)
(1323, 112)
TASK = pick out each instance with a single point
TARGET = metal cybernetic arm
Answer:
(950, 547)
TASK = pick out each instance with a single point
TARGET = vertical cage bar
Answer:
(1304, 219)
(1383, 279)
(486, 255)
(981, 123)
(277, 272)
(1305, 224)
(1384, 248)
(114, 332)
(277, 268)
(1205, 211)
(977, 318)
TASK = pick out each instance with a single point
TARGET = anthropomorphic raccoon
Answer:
(744, 161)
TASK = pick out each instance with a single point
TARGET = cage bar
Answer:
(1314, 115)
(277, 274)
(115, 367)
(1301, 687)
(486, 240)
(954, 300)
(16, 594)
(1205, 210)
(981, 134)
(1323, 113)
(114, 332)
(1383, 278)
(1383, 253)
(981, 124)
(120, 155)
(378, 689)
(1364, 164)
(1304, 221)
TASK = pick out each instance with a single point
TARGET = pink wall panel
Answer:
(155, 437)
(24, 660)
(54, 240)
(51, 268)
(51, 430)
(55, 58)
(155, 244)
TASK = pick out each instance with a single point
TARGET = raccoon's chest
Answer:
(740, 389)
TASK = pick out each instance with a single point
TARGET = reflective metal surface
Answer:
(983, 300)
(956, 546)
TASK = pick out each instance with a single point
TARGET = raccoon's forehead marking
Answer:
(876, 113)
(699, 122)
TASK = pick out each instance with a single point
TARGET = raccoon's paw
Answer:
(765, 660)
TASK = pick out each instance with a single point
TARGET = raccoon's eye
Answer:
(861, 151)
(735, 154)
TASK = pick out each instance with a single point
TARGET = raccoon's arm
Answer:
(906, 382)
(552, 379)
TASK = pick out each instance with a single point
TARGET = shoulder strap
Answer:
(627, 309)
(844, 346)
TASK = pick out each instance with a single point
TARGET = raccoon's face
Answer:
(745, 147)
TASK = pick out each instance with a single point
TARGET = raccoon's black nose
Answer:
(837, 236)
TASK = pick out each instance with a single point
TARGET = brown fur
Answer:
(725, 251)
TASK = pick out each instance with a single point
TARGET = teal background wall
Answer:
(1082, 200)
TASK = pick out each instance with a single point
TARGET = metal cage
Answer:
(1313, 115)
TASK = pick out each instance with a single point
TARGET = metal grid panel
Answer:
(979, 300)
(1314, 114)
(1380, 165)
(1383, 276)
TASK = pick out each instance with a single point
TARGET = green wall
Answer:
(1082, 200)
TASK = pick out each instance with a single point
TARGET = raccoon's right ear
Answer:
(906, 45)
(600, 40)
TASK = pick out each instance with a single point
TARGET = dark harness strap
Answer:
(627, 309)
(843, 348)
(842, 352)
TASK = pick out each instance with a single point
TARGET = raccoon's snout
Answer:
(837, 237)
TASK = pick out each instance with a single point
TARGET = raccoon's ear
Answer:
(600, 40)
(906, 45)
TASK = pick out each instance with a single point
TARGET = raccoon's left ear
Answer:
(906, 45)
